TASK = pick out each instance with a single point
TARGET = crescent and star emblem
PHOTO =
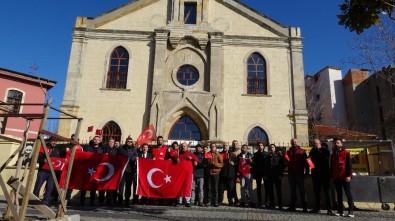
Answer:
(151, 173)
(57, 163)
(111, 170)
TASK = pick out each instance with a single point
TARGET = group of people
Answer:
(218, 171)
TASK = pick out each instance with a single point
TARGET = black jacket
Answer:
(149, 155)
(92, 149)
(275, 164)
(113, 150)
(320, 158)
(228, 171)
(130, 152)
(198, 170)
(258, 164)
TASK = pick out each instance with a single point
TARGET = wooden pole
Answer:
(61, 211)
(32, 169)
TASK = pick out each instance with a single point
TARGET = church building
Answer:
(199, 70)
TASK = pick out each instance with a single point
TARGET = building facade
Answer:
(205, 70)
(17, 87)
(370, 103)
(325, 98)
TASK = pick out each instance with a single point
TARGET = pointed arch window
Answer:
(15, 97)
(256, 74)
(185, 129)
(117, 74)
(256, 135)
(111, 130)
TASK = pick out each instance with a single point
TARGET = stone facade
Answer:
(153, 32)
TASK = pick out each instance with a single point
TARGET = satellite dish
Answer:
(29, 149)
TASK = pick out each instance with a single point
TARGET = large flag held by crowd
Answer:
(163, 178)
(93, 171)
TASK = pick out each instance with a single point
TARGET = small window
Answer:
(190, 13)
(15, 97)
(117, 74)
(187, 75)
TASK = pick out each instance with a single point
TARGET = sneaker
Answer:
(187, 205)
(350, 215)
(201, 204)
(242, 205)
(339, 214)
(314, 211)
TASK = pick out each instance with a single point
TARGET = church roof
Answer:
(234, 5)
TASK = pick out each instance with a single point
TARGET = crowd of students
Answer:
(218, 171)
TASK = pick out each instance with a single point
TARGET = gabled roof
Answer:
(26, 78)
(234, 5)
(326, 132)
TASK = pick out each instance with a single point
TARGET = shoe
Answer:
(339, 214)
(280, 208)
(290, 209)
(187, 205)
(314, 211)
(242, 205)
(252, 205)
(201, 204)
(216, 205)
(350, 215)
(330, 213)
(305, 210)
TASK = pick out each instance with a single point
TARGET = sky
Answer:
(39, 32)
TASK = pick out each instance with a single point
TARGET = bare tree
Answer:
(376, 51)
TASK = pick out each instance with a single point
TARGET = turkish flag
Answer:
(99, 132)
(92, 171)
(147, 135)
(57, 163)
(310, 162)
(244, 167)
(90, 129)
(163, 178)
(174, 153)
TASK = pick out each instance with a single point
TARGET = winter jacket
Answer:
(341, 166)
(274, 164)
(130, 152)
(228, 171)
(258, 166)
(198, 170)
(297, 164)
(215, 163)
(320, 158)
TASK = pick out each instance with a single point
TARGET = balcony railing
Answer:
(117, 79)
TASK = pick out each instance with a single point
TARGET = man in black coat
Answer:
(259, 171)
(198, 177)
(320, 175)
(129, 176)
(275, 165)
(227, 175)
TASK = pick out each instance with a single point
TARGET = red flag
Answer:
(147, 135)
(244, 167)
(225, 156)
(90, 129)
(208, 155)
(310, 162)
(93, 171)
(164, 179)
(174, 153)
(287, 157)
(57, 163)
(99, 132)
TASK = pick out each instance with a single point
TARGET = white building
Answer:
(196, 69)
(325, 97)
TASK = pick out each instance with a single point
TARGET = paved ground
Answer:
(207, 214)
